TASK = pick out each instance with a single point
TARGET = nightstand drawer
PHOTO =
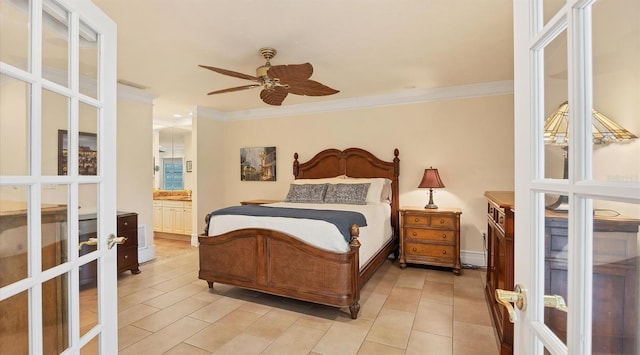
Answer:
(416, 220)
(432, 250)
(431, 234)
(443, 222)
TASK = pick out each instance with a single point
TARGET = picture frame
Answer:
(258, 164)
(87, 153)
(189, 166)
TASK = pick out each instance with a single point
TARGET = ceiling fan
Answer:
(277, 81)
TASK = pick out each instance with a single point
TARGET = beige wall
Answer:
(135, 165)
(470, 141)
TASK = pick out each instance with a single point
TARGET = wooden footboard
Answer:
(277, 263)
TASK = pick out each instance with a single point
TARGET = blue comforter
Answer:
(341, 219)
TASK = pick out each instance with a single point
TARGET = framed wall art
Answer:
(258, 164)
(87, 153)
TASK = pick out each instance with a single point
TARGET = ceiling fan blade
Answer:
(237, 88)
(230, 73)
(309, 88)
(274, 97)
(291, 72)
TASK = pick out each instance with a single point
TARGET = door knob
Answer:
(113, 240)
(517, 296)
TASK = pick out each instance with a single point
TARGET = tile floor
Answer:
(166, 309)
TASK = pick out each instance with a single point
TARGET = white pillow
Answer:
(379, 191)
(333, 180)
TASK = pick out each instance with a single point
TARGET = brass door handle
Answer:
(113, 240)
(517, 296)
(555, 301)
(90, 241)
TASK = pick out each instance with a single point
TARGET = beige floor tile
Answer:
(371, 348)
(411, 278)
(473, 339)
(430, 344)
(219, 333)
(129, 335)
(392, 327)
(134, 313)
(186, 349)
(371, 306)
(403, 299)
(474, 312)
(217, 309)
(434, 318)
(167, 299)
(314, 322)
(137, 298)
(243, 344)
(440, 276)
(167, 338)
(440, 292)
(272, 325)
(297, 339)
(188, 277)
(207, 295)
(164, 317)
(342, 338)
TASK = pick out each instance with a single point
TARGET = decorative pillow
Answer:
(379, 191)
(351, 194)
(307, 193)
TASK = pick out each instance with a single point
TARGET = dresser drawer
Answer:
(128, 222)
(431, 250)
(127, 257)
(415, 219)
(430, 234)
(443, 222)
(131, 238)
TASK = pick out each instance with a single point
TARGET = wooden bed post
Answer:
(354, 307)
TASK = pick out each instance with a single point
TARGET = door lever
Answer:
(113, 240)
(555, 301)
(517, 296)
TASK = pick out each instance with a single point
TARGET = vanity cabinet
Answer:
(615, 274)
(170, 216)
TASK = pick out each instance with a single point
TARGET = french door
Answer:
(57, 167)
(576, 261)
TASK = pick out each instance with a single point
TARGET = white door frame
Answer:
(106, 328)
(531, 335)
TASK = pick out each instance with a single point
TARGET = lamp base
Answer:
(561, 205)
(430, 205)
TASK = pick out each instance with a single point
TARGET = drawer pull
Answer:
(126, 223)
(415, 234)
(441, 221)
(444, 236)
(415, 249)
(444, 252)
(126, 256)
(416, 220)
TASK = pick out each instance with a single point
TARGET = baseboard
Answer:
(475, 258)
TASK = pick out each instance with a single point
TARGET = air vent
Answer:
(132, 84)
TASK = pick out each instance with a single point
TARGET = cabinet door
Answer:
(157, 218)
(188, 228)
(167, 219)
(178, 220)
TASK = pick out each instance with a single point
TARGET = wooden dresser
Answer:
(430, 237)
(127, 252)
(615, 274)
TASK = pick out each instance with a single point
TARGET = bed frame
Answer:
(278, 263)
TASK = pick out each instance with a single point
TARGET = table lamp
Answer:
(431, 179)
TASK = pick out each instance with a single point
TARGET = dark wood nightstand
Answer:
(258, 202)
(430, 237)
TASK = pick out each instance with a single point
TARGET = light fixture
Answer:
(431, 179)
(556, 131)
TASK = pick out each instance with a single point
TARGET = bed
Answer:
(283, 264)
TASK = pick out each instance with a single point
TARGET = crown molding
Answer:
(132, 94)
(401, 98)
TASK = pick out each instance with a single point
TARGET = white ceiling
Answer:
(360, 47)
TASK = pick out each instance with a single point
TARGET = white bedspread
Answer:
(318, 233)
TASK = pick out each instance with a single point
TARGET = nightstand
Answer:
(258, 202)
(430, 237)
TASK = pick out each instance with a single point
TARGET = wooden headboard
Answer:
(356, 163)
